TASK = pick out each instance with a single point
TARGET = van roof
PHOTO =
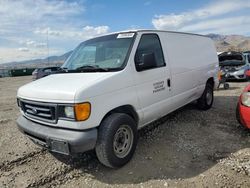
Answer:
(154, 30)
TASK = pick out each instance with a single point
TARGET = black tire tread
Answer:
(101, 145)
(201, 102)
(104, 138)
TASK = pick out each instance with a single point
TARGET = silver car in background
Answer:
(235, 64)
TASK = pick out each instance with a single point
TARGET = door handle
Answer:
(169, 82)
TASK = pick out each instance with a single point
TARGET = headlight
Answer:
(245, 99)
(69, 112)
(78, 112)
(242, 71)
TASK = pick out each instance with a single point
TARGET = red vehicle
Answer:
(243, 108)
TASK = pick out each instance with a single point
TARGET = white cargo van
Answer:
(113, 85)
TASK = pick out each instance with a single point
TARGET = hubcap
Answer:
(123, 141)
(209, 97)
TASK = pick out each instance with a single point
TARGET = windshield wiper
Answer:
(91, 68)
(63, 69)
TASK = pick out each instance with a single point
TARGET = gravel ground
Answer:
(188, 148)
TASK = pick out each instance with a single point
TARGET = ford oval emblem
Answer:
(34, 110)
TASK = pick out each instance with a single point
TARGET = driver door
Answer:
(153, 82)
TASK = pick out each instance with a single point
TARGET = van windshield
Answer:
(107, 53)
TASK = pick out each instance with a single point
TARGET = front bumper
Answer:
(244, 112)
(64, 141)
(236, 76)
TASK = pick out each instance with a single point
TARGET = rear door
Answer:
(153, 84)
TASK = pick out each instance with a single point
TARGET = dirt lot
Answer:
(188, 148)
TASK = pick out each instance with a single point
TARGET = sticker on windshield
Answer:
(125, 35)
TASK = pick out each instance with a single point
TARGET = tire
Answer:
(248, 78)
(226, 85)
(205, 102)
(117, 140)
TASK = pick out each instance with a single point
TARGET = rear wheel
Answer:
(205, 102)
(117, 140)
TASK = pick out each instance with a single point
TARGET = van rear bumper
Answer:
(64, 141)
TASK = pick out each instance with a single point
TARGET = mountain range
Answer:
(34, 63)
(230, 42)
(222, 43)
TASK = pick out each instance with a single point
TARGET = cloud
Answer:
(24, 49)
(31, 43)
(29, 11)
(25, 24)
(20, 54)
(40, 45)
(84, 33)
(95, 30)
(37, 48)
(22, 16)
(203, 18)
(239, 25)
(48, 31)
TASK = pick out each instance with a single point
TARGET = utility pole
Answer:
(48, 44)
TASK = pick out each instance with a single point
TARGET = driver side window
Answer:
(149, 44)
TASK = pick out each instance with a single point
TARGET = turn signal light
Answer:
(82, 111)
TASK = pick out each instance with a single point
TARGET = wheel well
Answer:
(210, 81)
(126, 109)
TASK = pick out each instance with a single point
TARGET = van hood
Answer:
(60, 87)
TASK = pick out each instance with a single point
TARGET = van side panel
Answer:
(193, 61)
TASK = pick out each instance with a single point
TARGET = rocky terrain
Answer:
(231, 42)
(188, 148)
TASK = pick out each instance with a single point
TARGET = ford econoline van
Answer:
(113, 85)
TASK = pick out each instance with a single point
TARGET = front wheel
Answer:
(226, 86)
(205, 102)
(117, 140)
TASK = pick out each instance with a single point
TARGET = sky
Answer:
(31, 29)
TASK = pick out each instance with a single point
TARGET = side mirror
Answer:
(148, 61)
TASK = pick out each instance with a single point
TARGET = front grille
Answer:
(230, 77)
(40, 111)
